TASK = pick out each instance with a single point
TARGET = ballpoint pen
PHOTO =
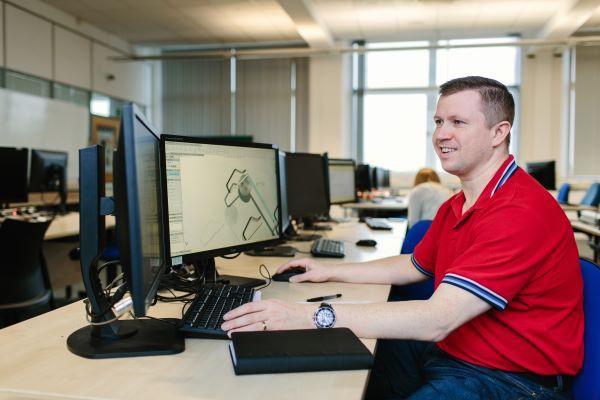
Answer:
(323, 298)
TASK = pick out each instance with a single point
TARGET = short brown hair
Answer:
(498, 104)
(426, 175)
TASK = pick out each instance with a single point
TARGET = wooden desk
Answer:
(68, 225)
(37, 364)
(593, 232)
(383, 205)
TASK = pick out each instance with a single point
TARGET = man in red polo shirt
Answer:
(506, 317)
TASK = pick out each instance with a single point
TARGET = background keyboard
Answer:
(204, 317)
(378, 224)
(327, 248)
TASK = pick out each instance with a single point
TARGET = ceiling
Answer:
(327, 23)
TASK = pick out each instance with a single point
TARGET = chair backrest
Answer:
(23, 273)
(592, 196)
(563, 193)
(587, 384)
(414, 236)
(416, 291)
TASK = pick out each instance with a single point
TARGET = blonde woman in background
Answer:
(426, 196)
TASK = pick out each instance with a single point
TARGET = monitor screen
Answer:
(48, 171)
(138, 208)
(342, 186)
(285, 216)
(386, 178)
(363, 178)
(544, 172)
(221, 198)
(306, 185)
(13, 175)
(377, 178)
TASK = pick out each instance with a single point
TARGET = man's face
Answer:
(462, 139)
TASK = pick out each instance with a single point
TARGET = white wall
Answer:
(541, 109)
(28, 43)
(330, 94)
(72, 58)
(45, 42)
(123, 79)
(47, 124)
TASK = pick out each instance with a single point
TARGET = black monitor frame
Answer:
(107, 336)
(204, 261)
(48, 173)
(544, 172)
(343, 161)
(13, 175)
(297, 191)
(364, 178)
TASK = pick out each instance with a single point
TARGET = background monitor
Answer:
(221, 198)
(363, 178)
(377, 178)
(342, 185)
(386, 178)
(48, 172)
(138, 209)
(13, 175)
(544, 172)
(285, 216)
(306, 185)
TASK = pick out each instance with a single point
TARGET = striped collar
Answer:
(504, 173)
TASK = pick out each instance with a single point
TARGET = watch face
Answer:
(324, 317)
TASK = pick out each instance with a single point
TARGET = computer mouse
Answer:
(367, 243)
(287, 274)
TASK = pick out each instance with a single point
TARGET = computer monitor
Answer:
(220, 198)
(48, 173)
(307, 189)
(377, 178)
(342, 185)
(386, 178)
(138, 208)
(285, 215)
(363, 178)
(544, 172)
(13, 175)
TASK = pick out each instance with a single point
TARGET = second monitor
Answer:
(221, 198)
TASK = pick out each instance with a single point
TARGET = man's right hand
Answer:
(314, 272)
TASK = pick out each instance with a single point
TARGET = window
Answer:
(71, 94)
(27, 84)
(397, 91)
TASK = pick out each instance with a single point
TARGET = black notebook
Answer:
(298, 351)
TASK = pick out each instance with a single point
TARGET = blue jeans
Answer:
(421, 371)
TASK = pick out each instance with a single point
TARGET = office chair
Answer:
(592, 196)
(25, 289)
(415, 291)
(587, 384)
(563, 193)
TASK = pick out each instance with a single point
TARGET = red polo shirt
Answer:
(515, 249)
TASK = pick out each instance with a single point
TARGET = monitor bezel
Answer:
(343, 161)
(324, 170)
(23, 189)
(127, 210)
(202, 255)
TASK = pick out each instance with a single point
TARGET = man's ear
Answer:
(500, 131)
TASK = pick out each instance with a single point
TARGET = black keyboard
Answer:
(378, 224)
(327, 248)
(204, 317)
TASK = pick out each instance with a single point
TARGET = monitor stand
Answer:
(309, 225)
(211, 275)
(277, 251)
(108, 337)
(291, 234)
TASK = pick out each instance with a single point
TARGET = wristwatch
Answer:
(324, 317)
